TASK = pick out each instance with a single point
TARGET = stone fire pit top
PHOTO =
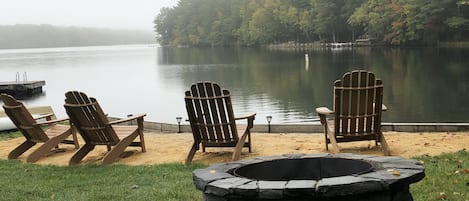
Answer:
(387, 171)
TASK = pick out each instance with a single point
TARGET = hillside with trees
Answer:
(261, 22)
(42, 36)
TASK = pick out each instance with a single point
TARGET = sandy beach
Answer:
(173, 147)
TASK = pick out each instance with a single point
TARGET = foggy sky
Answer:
(120, 14)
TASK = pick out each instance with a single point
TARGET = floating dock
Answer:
(22, 88)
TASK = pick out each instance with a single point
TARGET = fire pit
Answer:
(326, 177)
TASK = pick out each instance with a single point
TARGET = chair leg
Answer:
(384, 146)
(142, 142)
(326, 142)
(80, 154)
(190, 155)
(249, 142)
(75, 138)
(115, 152)
(140, 131)
(333, 142)
(324, 123)
(46, 147)
(20, 149)
(239, 147)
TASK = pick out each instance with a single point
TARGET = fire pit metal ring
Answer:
(328, 177)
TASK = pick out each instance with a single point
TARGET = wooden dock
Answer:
(22, 88)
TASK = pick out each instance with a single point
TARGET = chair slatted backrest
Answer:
(358, 99)
(89, 119)
(210, 113)
(23, 120)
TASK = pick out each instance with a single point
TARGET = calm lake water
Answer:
(421, 84)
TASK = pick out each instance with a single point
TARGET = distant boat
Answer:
(337, 45)
(6, 124)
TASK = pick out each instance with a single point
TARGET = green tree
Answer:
(289, 15)
(375, 16)
(459, 23)
(329, 19)
(325, 14)
(164, 26)
(263, 27)
(424, 19)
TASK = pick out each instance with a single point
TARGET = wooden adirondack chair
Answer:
(47, 132)
(212, 120)
(357, 111)
(95, 128)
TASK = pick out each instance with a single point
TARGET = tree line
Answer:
(260, 22)
(42, 36)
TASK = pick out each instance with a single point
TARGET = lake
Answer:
(420, 84)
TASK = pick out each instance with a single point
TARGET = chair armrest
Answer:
(44, 116)
(324, 111)
(246, 116)
(51, 121)
(138, 116)
(250, 117)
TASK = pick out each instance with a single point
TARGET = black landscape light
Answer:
(179, 119)
(269, 118)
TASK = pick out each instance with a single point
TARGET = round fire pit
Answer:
(327, 177)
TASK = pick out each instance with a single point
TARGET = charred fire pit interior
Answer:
(324, 177)
(300, 169)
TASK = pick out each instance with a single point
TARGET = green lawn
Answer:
(19, 181)
(447, 178)
(8, 135)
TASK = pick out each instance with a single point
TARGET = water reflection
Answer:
(421, 85)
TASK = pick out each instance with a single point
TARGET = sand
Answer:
(172, 148)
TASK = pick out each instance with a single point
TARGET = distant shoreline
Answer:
(315, 45)
(84, 46)
(46, 36)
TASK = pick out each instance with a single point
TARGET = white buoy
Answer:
(306, 62)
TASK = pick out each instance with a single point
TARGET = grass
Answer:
(21, 181)
(447, 178)
(9, 135)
